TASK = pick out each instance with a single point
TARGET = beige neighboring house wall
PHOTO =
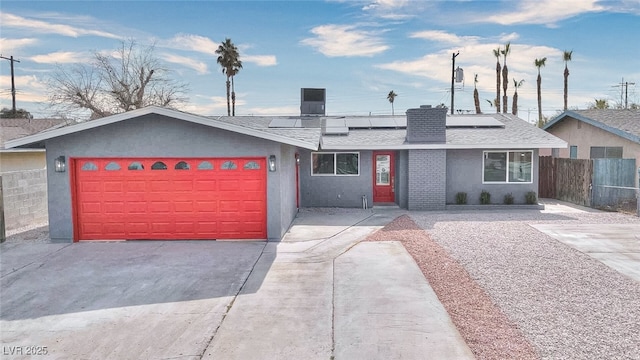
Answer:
(612, 128)
(578, 133)
(22, 160)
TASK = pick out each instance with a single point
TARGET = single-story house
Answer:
(156, 173)
(597, 133)
(17, 159)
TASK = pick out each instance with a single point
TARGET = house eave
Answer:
(595, 123)
(445, 146)
(21, 150)
(46, 135)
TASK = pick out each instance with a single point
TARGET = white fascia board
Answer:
(562, 145)
(21, 150)
(160, 111)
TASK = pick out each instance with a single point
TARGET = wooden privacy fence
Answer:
(587, 182)
(573, 180)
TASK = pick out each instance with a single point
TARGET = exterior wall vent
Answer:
(312, 102)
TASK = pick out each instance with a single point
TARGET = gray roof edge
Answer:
(598, 124)
(562, 144)
(49, 134)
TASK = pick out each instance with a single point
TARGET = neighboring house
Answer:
(22, 158)
(592, 134)
(156, 173)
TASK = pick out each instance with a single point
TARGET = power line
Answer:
(625, 85)
(13, 84)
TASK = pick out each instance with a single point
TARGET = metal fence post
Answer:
(3, 234)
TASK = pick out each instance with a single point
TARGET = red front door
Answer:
(383, 176)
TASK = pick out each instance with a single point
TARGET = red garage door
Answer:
(170, 198)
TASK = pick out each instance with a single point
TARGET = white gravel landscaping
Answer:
(567, 304)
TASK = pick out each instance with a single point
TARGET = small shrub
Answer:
(531, 198)
(508, 199)
(485, 197)
(461, 198)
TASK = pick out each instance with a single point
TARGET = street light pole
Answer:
(453, 76)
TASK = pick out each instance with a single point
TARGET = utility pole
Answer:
(453, 76)
(13, 84)
(624, 85)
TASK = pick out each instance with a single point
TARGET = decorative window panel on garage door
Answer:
(170, 198)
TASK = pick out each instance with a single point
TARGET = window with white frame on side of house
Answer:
(606, 152)
(335, 164)
(573, 152)
(507, 167)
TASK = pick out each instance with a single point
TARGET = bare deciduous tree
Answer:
(128, 78)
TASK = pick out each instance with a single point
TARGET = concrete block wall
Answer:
(427, 179)
(427, 125)
(25, 198)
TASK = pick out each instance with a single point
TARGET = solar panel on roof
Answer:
(335, 123)
(401, 121)
(473, 121)
(383, 122)
(358, 122)
(282, 123)
(336, 130)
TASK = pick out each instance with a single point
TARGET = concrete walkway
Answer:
(319, 293)
(615, 245)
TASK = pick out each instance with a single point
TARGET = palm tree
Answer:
(540, 63)
(234, 70)
(228, 58)
(505, 77)
(392, 97)
(476, 96)
(496, 53)
(600, 104)
(516, 85)
(566, 56)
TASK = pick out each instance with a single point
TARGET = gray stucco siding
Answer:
(465, 171)
(160, 136)
(402, 179)
(336, 190)
(286, 169)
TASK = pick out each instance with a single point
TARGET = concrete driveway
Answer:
(615, 245)
(132, 300)
(317, 294)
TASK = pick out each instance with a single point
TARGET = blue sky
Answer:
(357, 50)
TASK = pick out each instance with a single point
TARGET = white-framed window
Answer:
(513, 166)
(335, 164)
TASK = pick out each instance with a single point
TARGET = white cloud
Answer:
(444, 37)
(207, 105)
(479, 59)
(196, 65)
(207, 46)
(28, 89)
(509, 37)
(546, 12)
(260, 60)
(191, 42)
(39, 26)
(345, 40)
(62, 57)
(387, 4)
(11, 45)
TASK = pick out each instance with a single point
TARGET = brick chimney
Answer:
(426, 125)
